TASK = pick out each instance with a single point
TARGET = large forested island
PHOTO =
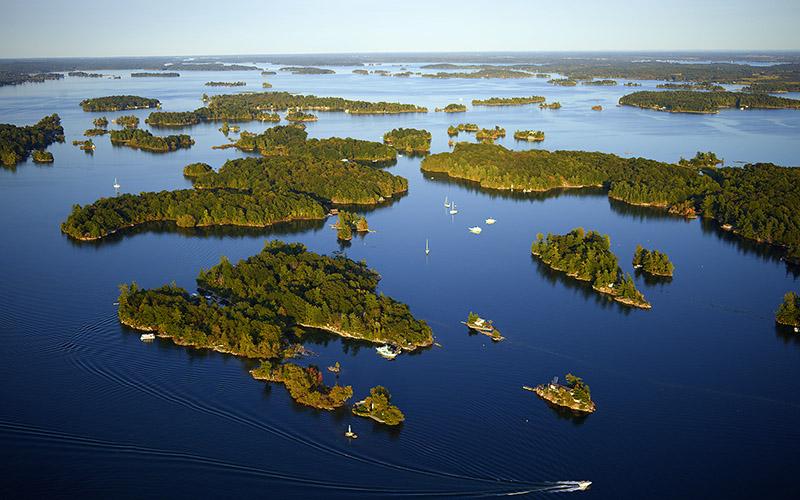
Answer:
(269, 293)
(226, 84)
(563, 82)
(759, 201)
(304, 384)
(142, 139)
(788, 312)
(483, 73)
(159, 74)
(378, 407)
(307, 70)
(16, 143)
(687, 101)
(118, 103)
(257, 105)
(508, 101)
(588, 257)
(691, 86)
(410, 140)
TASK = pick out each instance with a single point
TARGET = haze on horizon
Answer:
(87, 28)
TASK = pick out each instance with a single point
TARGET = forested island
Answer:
(588, 257)
(788, 312)
(483, 73)
(563, 82)
(410, 140)
(160, 74)
(142, 139)
(225, 84)
(601, 83)
(508, 101)
(453, 108)
(349, 222)
(652, 262)
(299, 116)
(119, 103)
(529, 135)
(378, 407)
(262, 105)
(193, 170)
(18, 78)
(757, 201)
(552, 105)
(16, 143)
(489, 135)
(687, 101)
(126, 121)
(42, 156)
(305, 385)
(266, 85)
(692, 86)
(210, 66)
(773, 87)
(576, 395)
(84, 74)
(307, 70)
(453, 130)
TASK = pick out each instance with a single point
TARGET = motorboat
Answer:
(475, 230)
(388, 351)
(146, 337)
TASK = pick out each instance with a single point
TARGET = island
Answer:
(299, 116)
(100, 122)
(483, 73)
(194, 170)
(160, 74)
(42, 156)
(587, 256)
(225, 84)
(453, 130)
(687, 101)
(16, 142)
(206, 66)
(307, 70)
(597, 107)
(488, 135)
(788, 312)
(652, 262)
(83, 74)
(92, 132)
(304, 384)
(508, 101)
(600, 83)
(268, 73)
(483, 326)
(19, 78)
(552, 105)
(632, 84)
(692, 86)
(409, 140)
(453, 108)
(145, 140)
(266, 85)
(360, 72)
(127, 121)
(349, 222)
(773, 87)
(576, 396)
(529, 135)
(378, 407)
(87, 145)
(563, 82)
(119, 103)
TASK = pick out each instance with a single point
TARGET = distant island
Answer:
(378, 407)
(576, 396)
(266, 85)
(453, 108)
(600, 83)
(773, 87)
(83, 74)
(19, 78)
(210, 66)
(159, 74)
(453, 130)
(304, 384)
(225, 84)
(587, 256)
(360, 72)
(597, 107)
(652, 262)
(692, 86)
(144, 140)
(307, 70)
(552, 105)
(16, 143)
(788, 312)
(529, 135)
(119, 103)
(687, 101)
(632, 84)
(508, 101)
(268, 73)
(484, 73)
(410, 140)
(563, 82)
(299, 116)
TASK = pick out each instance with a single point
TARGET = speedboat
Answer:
(475, 230)
(145, 337)
(490, 221)
(388, 351)
(584, 485)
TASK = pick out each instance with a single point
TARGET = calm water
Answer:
(699, 397)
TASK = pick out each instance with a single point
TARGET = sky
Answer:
(58, 28)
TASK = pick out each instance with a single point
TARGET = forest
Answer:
(453, 130)
(489, 135)
(144, 140)
(127, 121)
(304, 384)
(16, 143)
(692, 86)
(563, 82)
(788, 312)
(508, 101)
(160, 74)
(600, 83)
(118, 103)
(378, 406)
(687, 101)
(307, 70)
(587, 256)
(652, 262)
(225, 84)
(409, 140)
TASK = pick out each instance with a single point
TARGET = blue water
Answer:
(697, 397)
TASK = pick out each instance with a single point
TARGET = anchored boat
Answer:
(388, 351)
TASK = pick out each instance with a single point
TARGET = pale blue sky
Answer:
(42, 28)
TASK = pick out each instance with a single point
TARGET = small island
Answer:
(160, 74)
(489, 135)
(268, 73)
(453, 130)
(483, 326)
(266, 85)
(307, 70)
(144, 140)
(16, 143)
(194, 170)
(688, 101)
(552, 105)
(587, 256)
(692, 86)
(482, 73)
(788, 312)
(652, 262)
(378, 407)
(119, 103)
(529, 135)
(299, 116)
(42, 156)
(127, 121)
(87, 145)
(575, 396)
(409, 140)
(600, 83)
(508, 101)
(349, 222)
(226, 84)
(453, 108)
(597, 107)
(632, 84)
(563, 82)
(83, 74)
(304, 384)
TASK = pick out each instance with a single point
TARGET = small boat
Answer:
(796, 329)
(388, 351)
(446, 203)
(490, 221)
(147, 337)
(350, 434)
(116, 184)
(427, 250)
(584, 485)
(475, 230)
(453, 210)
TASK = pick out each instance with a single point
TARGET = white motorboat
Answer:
(490, 221)
(388, 351)
(145, 337)
(475, 230)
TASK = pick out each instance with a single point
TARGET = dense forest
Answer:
(508, 101)
(529, 135)
(16, 143)
(588, 257)
(687, 101)
(692, 86)
(652, 262)
(42, 156)
(483, 73)
(142, 139)
(304, 384)
(193, 170)
(788, 312)
(452, 108)
(17, 78)
(563, 82)
(127, 121)
(307, 70)
(160, 74)
(410, 140)
(378, 406)
(119, 103)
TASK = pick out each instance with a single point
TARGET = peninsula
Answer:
(16, 143)
(688, 101)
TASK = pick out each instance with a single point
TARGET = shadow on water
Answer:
(640, 213)
(576, 417)
(653, 280)
(216, 232)
(765, 251)
(787, 334)
(559, 277)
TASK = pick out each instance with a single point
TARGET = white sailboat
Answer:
(116, 184)
(427, 250)
(350, 433)
(446, 203)
(453, 209)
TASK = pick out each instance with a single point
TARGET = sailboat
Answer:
(116, 184)
(427, 250)
(453, 209)
(446, 203)
(350, 433)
